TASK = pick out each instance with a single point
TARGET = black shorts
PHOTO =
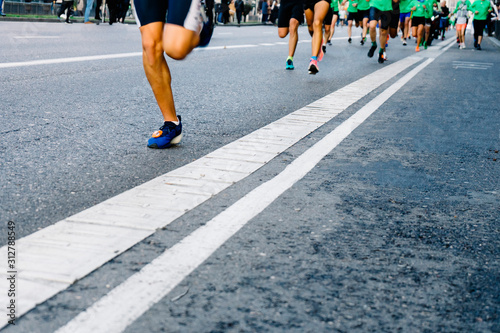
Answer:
(394, 19)
(383, 16)
(178, 12)
(352, 16)
(416, 21)
(329, 17)
(479, 27)
(290, 9)
(364, 14)
(428, 22)
(309, 4)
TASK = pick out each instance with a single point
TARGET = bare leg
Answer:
(156, 69)
(177, 42)
(332, 28)
(420, 31)
(327, 33)
(407, 27)
(320, 11)
(383, 38)
(365, 26)
(373, 31)
(294, 36)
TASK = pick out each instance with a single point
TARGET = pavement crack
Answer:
(11, 131)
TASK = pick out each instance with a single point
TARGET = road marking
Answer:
(36, 37)
(53, 258)
(127, 302)
(471, 65)
(68, 60)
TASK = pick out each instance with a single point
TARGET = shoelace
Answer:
(168, 126)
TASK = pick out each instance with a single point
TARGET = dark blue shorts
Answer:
(383, 16)
(185, 13)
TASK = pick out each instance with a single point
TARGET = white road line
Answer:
(36, 37)
(471, 65)
(67, 60)
(51, 259)
(127, 302)
(115, 56)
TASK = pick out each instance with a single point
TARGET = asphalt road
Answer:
(396, 229)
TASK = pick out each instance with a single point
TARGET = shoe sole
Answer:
(174, 141)
(313, 70)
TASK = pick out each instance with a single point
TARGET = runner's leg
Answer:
(156, 68)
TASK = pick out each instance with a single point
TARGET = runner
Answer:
(335, 9)
(443, 19)
(352, 15)
(364, 17)
(461, 21)
(380, 10)
(480, 8)
(429, 13)
(327, 23)
(418, 20)
(404, 18)
(315, 11)
(290, 16)
(176, 28)
(393, 25)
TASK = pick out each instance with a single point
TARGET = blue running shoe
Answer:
(169, 134)
(289, 64)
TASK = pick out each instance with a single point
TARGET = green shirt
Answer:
(459, 3)
(363, 4)
(404, 6)
(382, 5)
(429, 10)
(335, 5)
(420, 10)
(482, 7)
(352, 9)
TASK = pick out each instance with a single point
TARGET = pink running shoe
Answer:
(313, 67)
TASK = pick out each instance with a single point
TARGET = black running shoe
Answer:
(324, 48)
(381, 57)
(349, 40)
(372, 50)
(478, 47)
